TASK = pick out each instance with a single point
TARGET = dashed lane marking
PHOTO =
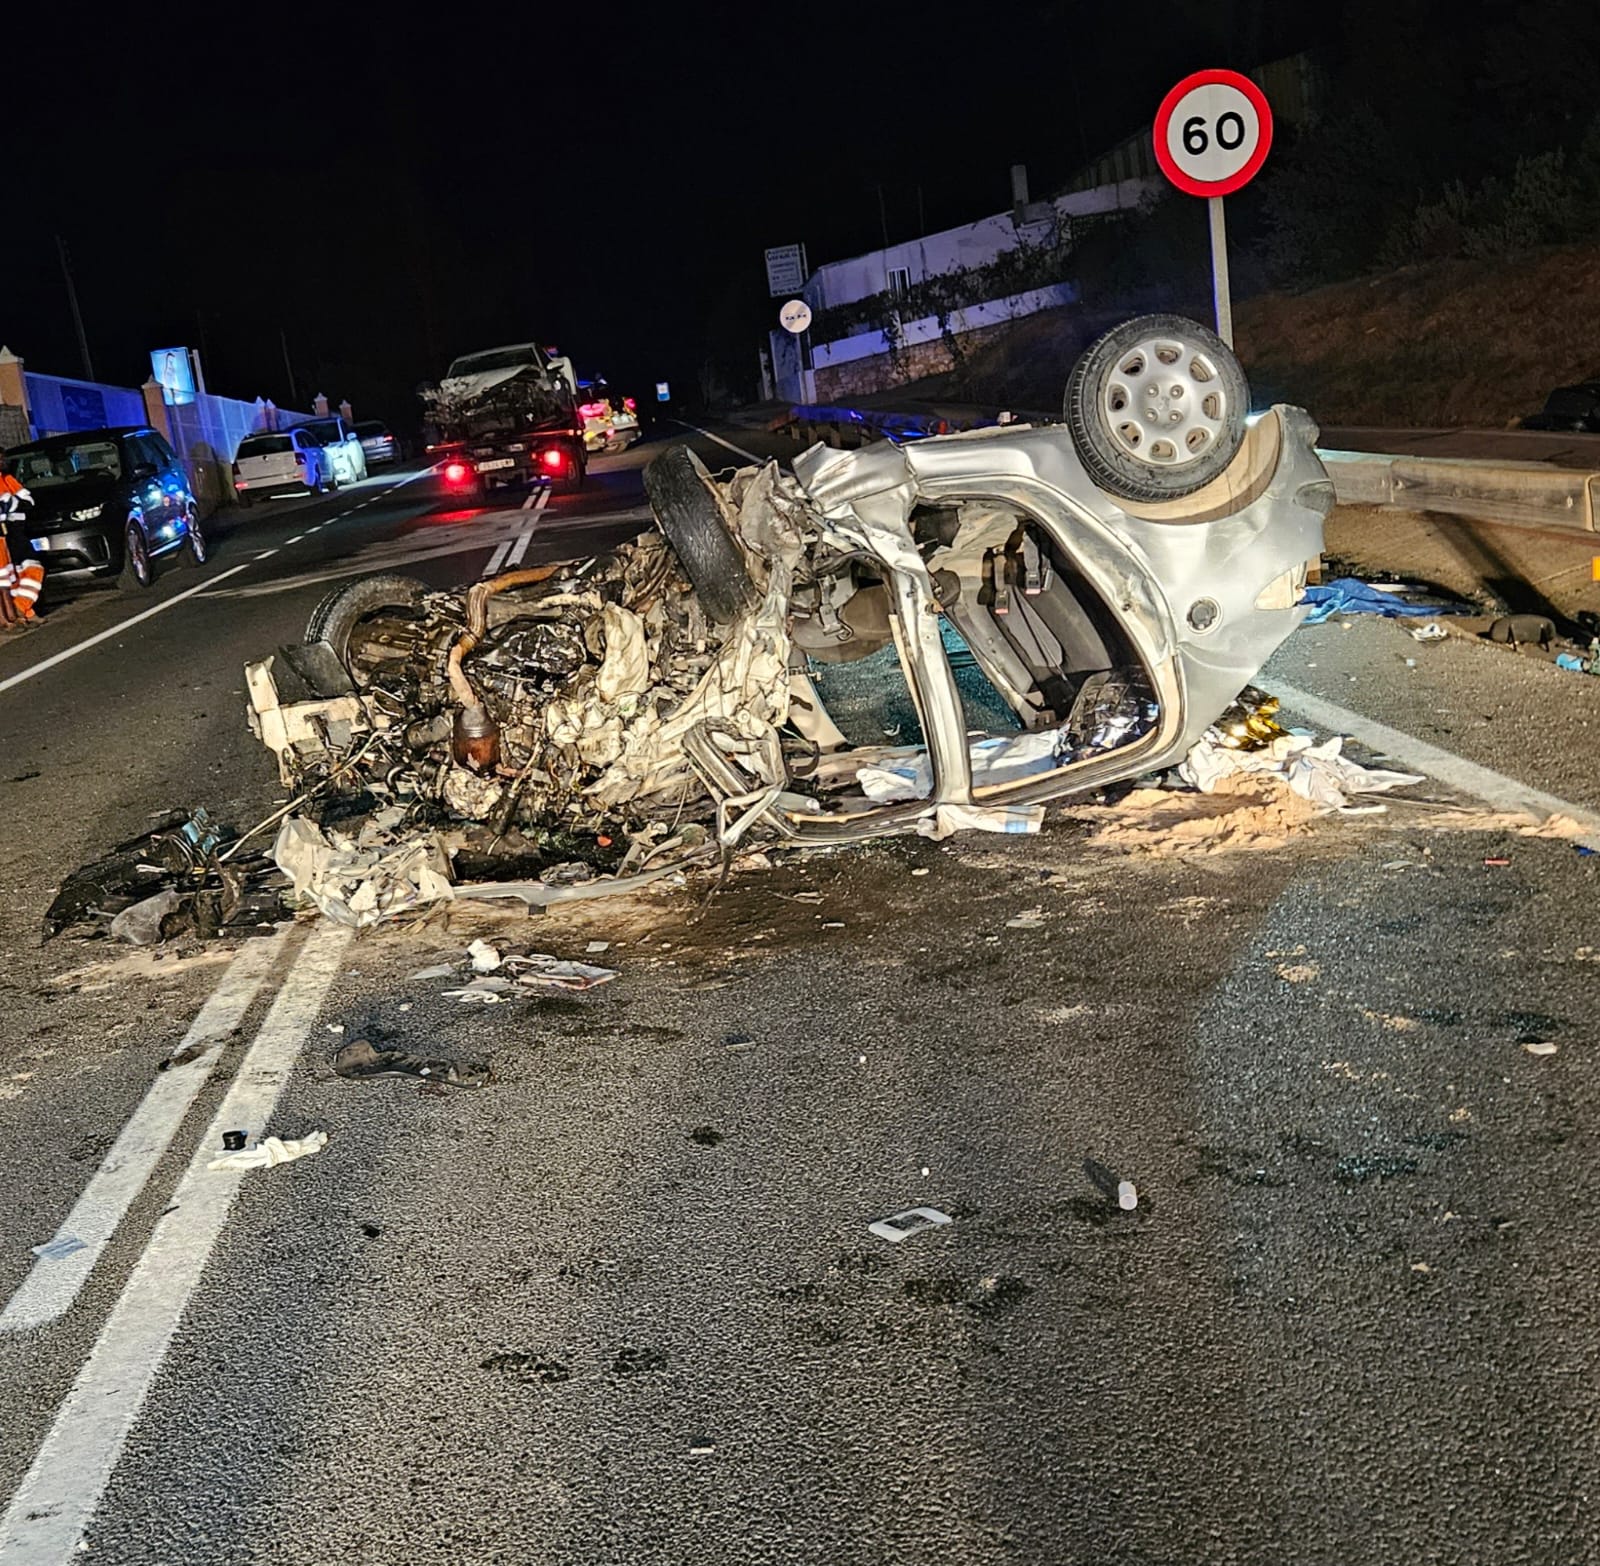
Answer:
(52, 1285)
(45, 1523)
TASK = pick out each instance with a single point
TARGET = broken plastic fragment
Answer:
(272, 1151)
(901, 1226)
(62, 1245)
(485, 958)
(1127, 1195)
(362, 1061)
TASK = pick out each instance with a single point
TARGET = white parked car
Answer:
(343, 445)
(281, 462)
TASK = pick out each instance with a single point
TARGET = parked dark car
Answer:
(1572, 408)
(379, 443)
(107, 503)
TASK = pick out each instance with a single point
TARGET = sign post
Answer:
(1212, 134)
(795, 318)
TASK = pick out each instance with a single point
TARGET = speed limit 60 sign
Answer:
(1212, 133)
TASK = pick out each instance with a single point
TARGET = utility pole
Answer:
(77, 314)
(294, 390)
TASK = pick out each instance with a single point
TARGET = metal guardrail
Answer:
(1518, 494)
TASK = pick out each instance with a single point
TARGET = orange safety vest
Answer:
(20, 581)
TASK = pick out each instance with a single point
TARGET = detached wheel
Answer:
(1157, 408)
(136, 572)
(336, 619)
(685, 502)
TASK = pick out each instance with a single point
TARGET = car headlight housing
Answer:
(87, 513)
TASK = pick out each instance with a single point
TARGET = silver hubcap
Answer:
(1164, 402)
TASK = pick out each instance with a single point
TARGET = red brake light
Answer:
(300, 459)
(554, 458)
(456, 472)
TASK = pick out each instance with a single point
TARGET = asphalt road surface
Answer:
(621, 1305)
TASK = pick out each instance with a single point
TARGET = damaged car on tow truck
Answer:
(922, 637)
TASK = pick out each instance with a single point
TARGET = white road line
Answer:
(45, 664)
(295, 540)
(738, 451)
(53, 1285)
(1493, 788)
(45, 1523)
(519, 547)
(527, 505)
(497, 559)
(542, 501)
(61, 657)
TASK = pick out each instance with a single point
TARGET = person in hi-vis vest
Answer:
(21, 576)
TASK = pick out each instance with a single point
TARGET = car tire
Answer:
(137, 572)
(342, 610)
(681, 494)
(1156, 408)
(195, 549)
(246, 500)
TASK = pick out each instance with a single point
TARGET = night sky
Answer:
(603, 177)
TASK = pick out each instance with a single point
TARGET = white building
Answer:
(866, 360)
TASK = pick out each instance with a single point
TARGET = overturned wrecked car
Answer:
(925, 637)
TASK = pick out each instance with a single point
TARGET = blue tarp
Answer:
(1349, 595)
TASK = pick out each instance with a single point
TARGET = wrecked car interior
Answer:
(924, 637)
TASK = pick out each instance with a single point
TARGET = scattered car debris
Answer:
(179, 879)
(1127, 1195)
(62, 1246)
(363, 1061)
(1574, 664)
(1536, 630)
(271, 1151)
(1318, 772)
(1350, 595)
(234, 1141)
(901, 1226)
(1540, 1047)
(1433, 631)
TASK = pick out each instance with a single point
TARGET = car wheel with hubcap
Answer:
(195, 551)
(136, 570)
(1157, 408)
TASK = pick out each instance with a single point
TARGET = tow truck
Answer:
(505, 418)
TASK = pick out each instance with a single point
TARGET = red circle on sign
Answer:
(1237, 181)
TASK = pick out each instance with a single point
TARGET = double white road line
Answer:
(509, 552)
(45, 1523)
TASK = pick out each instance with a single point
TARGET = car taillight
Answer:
(456, 472)
(236, 470)
(554, 457)
(299, 459)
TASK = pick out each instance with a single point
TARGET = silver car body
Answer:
(1204, 589)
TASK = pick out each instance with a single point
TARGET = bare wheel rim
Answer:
(1164, 402)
